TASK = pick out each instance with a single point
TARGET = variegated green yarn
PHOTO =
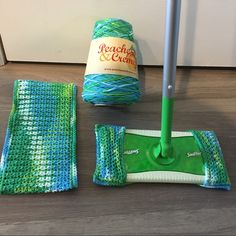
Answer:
(110, 166)
(39, 154)
(111, 89)
(215, 170)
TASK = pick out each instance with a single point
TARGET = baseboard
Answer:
(3, 59)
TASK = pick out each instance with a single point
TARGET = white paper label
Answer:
(111, 55)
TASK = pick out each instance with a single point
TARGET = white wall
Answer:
(60, 30)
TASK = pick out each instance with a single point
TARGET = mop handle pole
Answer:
(169, 73)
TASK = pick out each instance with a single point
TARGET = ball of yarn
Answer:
(109, 89)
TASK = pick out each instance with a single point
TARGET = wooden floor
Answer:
(205, 99)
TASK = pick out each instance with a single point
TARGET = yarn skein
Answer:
(111, 89)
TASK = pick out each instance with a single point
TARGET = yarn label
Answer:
(110, 55)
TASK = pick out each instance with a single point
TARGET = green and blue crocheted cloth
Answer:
(39, 153)
(126, 156)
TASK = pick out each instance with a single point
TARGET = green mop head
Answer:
(128, 156)
(39, 154)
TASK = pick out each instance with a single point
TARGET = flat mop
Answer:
(131, 156)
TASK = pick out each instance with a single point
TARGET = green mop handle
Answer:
(169, 74)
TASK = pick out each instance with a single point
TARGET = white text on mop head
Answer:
(193, 154)
(131, 152)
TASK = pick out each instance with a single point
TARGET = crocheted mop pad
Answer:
(126, 156)
(39, 153)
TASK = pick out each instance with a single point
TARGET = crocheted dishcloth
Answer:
(39, 153)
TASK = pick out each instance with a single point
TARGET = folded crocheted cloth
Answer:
(39, 153)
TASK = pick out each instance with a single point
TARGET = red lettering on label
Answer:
(101, 47)
(117, 54)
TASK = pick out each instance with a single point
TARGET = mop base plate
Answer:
(143, 165)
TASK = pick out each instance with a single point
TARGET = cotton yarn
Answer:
(111, 89)
(39, 153)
